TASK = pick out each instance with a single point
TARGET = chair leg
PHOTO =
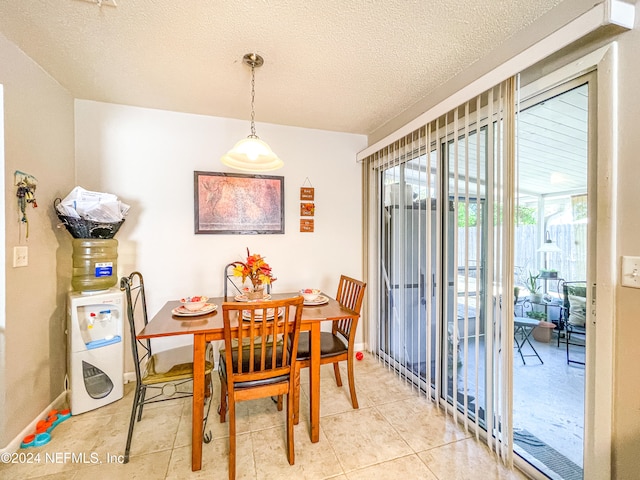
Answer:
(352, 383)
(132, 421)
(296, 396)
(223, 402)
(290, 443)
(279, 403)
(143, 392)
(336, 371)
(207, 385)
(232, 440)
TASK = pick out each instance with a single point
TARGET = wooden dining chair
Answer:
(258, 360)
(338, 345)
(162, 376)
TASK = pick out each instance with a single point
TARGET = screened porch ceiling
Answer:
(552, 145)
(551, 151)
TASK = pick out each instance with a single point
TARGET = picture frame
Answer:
(238, 204)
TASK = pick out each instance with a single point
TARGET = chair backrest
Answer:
(350, 294)
(575, 299)
(262, 325)
(133, 285)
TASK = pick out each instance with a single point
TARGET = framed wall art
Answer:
(231, 203)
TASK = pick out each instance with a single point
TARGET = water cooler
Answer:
(95, 348)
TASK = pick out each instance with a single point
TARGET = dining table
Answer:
(209, 327)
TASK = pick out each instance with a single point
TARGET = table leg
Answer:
(198, 401)
(314, 382)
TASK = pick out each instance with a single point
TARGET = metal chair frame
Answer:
(569, 328)
(168, 389)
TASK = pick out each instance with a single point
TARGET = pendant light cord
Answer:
(253, 99)
(252, 154)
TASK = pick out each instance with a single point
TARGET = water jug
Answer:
(95, 264)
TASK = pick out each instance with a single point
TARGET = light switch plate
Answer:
(630, 272)
(21, 256)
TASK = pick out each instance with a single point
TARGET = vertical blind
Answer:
(439, 216)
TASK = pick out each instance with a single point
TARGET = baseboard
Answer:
(58, 404)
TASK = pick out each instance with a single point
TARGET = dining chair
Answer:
(161, 376)
(258, 360)
(338, 345)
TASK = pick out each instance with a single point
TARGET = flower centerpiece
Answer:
(257, 271)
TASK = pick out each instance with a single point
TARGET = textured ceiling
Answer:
(342, 65)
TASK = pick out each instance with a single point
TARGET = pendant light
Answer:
(548, 246)
(252, 154)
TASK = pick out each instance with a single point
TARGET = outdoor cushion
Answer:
(577, 310)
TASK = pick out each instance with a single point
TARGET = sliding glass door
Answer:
(408, 248)
(442, 218)
(552, 245)
(455, 226)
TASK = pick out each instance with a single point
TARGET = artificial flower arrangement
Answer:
(255, 269)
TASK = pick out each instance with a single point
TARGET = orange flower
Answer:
(255, 269)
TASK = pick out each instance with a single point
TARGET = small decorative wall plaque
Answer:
(307, 209)
(307, 192)
(306, 224)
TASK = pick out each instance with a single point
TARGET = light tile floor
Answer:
(394, 434)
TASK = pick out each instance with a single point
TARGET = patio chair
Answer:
(250, 367)
(575, 311)
(162, 376)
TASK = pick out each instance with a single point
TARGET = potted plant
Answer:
(537, 315)
(542, 332)
(548, 274)
(534, 288)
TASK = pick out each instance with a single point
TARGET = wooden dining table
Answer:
(209, 327)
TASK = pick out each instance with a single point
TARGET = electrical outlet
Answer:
(630, 272)
(21, 256)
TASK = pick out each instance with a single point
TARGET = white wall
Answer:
(147, 157)
(38, 139)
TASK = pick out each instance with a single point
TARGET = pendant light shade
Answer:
(252, 154)
(548, 246)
